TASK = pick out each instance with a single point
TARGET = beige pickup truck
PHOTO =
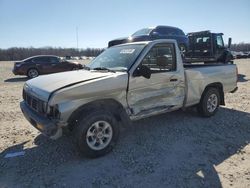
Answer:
(126, 82)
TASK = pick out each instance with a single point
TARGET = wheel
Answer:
(226, 57)
(209, 102)
(32, 73)
(96, 134)
(75, 68)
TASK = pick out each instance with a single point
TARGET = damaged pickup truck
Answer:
(126, 82)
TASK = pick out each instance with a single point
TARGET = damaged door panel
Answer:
(164, 90)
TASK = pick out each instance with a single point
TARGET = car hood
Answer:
(42, 86)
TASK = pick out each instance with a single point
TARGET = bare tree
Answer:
(15, 53)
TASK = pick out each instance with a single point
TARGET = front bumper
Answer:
(46, 126)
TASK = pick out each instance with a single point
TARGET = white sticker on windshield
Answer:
(127, 51)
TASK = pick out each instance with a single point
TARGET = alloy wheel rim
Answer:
(33, 73)
(212, 103)
(99, 135)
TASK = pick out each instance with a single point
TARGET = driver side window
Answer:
(219, 41)
(161, 58)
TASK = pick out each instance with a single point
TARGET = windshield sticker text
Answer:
(127, 51)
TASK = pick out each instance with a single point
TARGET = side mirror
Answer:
(143, 71)
(229, 42)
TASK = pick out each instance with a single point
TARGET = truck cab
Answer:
(207, 47)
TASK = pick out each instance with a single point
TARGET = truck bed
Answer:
(198, 76)
(201, 64)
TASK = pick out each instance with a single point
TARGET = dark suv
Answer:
(153, 33)
(43, 64)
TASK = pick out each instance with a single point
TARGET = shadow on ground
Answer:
(168, 150)
(19, 79)
(242, 78)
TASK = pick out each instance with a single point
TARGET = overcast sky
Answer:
(39, 23)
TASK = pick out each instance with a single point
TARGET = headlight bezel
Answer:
(53, 111)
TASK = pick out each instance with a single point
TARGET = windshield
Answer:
(144, 31)
(117, 58)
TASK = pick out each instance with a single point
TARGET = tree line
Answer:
(243, 47)
(15, 53)
(12, 54)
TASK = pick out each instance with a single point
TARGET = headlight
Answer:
(54, 112)
(18, 65)
(44, 107)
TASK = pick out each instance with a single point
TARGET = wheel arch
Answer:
(110, 105)
(39, 72)
(219, 87)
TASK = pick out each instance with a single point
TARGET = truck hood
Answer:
(42, 86)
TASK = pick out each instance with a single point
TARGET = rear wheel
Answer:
(32, 73)
(209, 102)
(97, 133)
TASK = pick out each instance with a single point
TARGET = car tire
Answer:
(32, 73)
(96, 134)
(209, 102)
(226, 57)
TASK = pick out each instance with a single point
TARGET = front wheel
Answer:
(209, 102)
(97, 133)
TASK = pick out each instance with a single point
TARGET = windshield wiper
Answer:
(103, 68)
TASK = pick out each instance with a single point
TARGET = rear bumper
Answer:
(235, 89)
(16, 71)
(43, 124)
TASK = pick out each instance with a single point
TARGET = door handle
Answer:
(173, 80)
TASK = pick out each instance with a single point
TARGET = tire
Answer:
(90, 135)
(226, 57)
(75, 68)
(209, 102)
(32, 73)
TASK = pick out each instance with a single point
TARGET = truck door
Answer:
(219, 46)
(164, 90)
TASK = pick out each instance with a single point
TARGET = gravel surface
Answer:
(178, 149)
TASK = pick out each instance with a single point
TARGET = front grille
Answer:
(33, 102)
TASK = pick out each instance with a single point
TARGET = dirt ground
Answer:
(178, 149)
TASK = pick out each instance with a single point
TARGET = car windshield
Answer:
(144, 31)
(117, 58)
